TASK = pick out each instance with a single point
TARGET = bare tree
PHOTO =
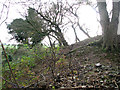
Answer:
(54, 16)
(73, 11)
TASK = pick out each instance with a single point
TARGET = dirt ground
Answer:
(89, 67)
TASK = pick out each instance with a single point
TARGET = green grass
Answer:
(25, 60)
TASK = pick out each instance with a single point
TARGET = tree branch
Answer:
(9, 64)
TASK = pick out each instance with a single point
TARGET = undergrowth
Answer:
(47, 67)
(26, 59)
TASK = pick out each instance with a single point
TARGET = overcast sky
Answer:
(86, 13)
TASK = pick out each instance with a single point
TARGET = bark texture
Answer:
(109, 27)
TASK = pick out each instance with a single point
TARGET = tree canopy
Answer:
(31, 30)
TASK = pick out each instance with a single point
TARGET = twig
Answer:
(3, 9)
(8, 81)
(115, 83)
(6, 16)
(35, 84)
(9, 64)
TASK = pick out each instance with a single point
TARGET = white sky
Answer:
(87, 16)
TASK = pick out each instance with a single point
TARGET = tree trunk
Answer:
(109, 28)
(61, 37)
(76, 37)
(63, 40)
(83, 30)
(115, 21)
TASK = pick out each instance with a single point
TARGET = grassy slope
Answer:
(83, 71)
